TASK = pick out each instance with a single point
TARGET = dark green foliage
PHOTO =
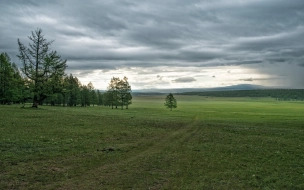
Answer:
(6, 78)
(74, 90)
(42, 66)
(84, 96)
(73, 93)
(12, 85)
(69, 93)
(107, 99)
(170, 102)
(99, 98)
(128, 100)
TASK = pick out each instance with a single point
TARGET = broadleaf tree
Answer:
(40, 65)
(124, 92)
(119, 93)
(112, 92)
(170, 102)
(128, 100)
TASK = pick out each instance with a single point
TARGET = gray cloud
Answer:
(248, 79)
(159, 77)
(184, 80)
(108, 35)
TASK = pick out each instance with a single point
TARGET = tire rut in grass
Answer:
(150, 148)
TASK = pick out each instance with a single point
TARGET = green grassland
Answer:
(206, 143)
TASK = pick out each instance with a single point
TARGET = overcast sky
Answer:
(166, 43)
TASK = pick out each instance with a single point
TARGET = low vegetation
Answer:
(207, 143)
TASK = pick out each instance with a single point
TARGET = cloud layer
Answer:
(188, 41)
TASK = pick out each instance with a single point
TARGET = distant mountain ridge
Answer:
(181, 90)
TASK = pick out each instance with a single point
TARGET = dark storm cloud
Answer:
(112, 34)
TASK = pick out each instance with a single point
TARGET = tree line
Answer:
(42, 79)
(278, 94)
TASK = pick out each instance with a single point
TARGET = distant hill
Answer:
(237, 87)
(279, 94)
(242, 90)
(182, 90)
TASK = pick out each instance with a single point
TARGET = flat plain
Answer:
(206, 143)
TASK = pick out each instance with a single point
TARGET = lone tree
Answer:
(170, 102)
(42, 66)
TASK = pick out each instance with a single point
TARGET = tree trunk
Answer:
(122, 103)
(63, 101)
(35, 102)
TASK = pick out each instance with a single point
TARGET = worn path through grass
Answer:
(147, 150)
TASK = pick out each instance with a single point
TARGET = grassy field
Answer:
(206, 143)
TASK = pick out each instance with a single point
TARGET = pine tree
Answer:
(170, 102)
(40, 65)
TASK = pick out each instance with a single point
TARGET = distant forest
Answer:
(278, 94)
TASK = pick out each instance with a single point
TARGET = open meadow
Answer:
(206, 143)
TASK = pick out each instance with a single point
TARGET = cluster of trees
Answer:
(13, 87)
(43, 80)
(50, 89)
(72, 93)
(278, 94)
(118, 93)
